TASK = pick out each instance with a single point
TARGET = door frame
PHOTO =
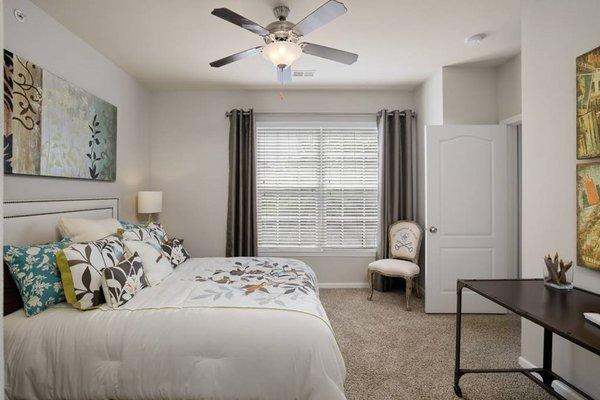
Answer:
(514, 132)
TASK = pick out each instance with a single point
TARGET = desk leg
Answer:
(457, 373)
(547, 358)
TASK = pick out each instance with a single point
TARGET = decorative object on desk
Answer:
(54, 128)
(149, 202)
(588, 215)
(588, 107)
(557, 273)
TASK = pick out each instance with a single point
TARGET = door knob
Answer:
(432, 229)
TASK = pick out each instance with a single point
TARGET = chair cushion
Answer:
(393, 267)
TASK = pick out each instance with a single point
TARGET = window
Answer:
(316, 186)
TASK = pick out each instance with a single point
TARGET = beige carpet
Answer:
(394, 354)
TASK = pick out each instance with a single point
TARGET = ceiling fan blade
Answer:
(236, 57)
(238, 20)
(329, 53)
(284, 75)
(321, 16)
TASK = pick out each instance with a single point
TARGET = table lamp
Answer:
(149, 202)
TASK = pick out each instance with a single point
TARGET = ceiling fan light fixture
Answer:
(283, 53)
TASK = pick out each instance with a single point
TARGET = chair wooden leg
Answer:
(409, 285)
(370, 277)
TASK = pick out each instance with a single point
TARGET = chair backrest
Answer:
(405, 240)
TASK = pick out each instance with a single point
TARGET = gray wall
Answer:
(470, 95)
(554, 33)
(190, 160)
(429, 101)
(48, 44)
(508, 88)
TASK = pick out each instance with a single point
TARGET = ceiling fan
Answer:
(282, 38)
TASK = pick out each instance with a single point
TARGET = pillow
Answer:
(174, 251)
(157, 231)
(156, 265)
(87, 230)
(81, 266)
(121, 282)
(129, 225)
(141, 233)
(152, 233)
(34, 271)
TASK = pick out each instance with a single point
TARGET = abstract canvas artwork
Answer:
(54, 128)
(588, 215)
(588, 104)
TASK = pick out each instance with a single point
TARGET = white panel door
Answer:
(466, 213)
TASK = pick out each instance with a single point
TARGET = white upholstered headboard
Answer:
(36, 221)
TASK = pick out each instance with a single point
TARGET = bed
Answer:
(217, 328)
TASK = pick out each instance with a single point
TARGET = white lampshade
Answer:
(149, 202)
(282, 53)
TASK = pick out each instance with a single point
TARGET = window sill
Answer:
(316, 253)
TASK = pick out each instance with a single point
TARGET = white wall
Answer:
(429, 103)
(508, 88)
(554, 33)
(481, 95)
(48, 44)
(470, 95)
(189, 149)
(466, 95)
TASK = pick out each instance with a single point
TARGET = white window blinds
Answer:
(316, 185)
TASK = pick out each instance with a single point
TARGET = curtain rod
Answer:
(227, 114)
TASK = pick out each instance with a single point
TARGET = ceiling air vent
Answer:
(307, 73)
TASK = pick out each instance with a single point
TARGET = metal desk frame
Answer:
(546, 373)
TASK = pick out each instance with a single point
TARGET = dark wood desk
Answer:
(559, 312)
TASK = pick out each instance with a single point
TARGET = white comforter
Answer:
(214, 329)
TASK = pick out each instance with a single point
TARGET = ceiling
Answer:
(169, 44)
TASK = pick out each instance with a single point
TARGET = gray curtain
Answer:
(241, 207)
(397, 172)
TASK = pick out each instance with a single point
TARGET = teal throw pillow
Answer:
(34, 270)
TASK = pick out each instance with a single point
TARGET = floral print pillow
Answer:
(174, 251)
(137, 233)
(141, 234)
(81, 266)
(153, 234)
(158, 232)
(34, 270)
(129, 225)
(123, 281)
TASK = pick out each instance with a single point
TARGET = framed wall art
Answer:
(588, 104)
(588, 215)
(54, 128)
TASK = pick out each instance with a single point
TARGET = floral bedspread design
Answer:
(273, 280)
(239, 282)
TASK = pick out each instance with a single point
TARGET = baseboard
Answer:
(560, 387)
(343, 285)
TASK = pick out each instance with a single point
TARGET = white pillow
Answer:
(156, 265)
(87, 230)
